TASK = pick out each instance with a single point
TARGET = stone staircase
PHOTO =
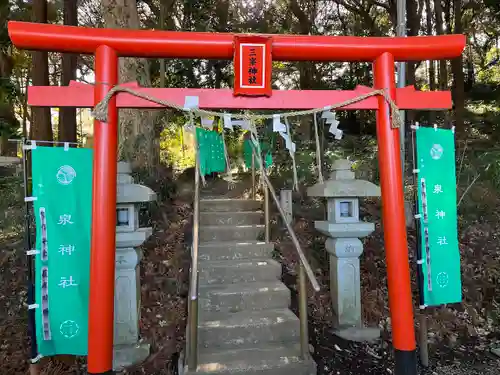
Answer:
(245, 325)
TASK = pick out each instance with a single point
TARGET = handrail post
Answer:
(253, 175)
(193, 298)
(304, 334)
(267, 219)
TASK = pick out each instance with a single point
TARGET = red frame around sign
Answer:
(109, 44)
(263, 80)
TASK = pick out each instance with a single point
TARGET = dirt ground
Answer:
(460, 336)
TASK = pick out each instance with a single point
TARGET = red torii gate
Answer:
(108, 44)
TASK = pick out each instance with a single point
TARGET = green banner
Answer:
(439, 253)
(211, 151)
(62, 188)
(247, 153)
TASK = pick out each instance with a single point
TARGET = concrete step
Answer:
(232, 218)
(239, 297)
(229, 205)
(248, 329)
(218, 233)
(243, 271)
(266, 360)
(213, 251)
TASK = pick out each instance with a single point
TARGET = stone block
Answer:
(342, 175)
(133, 239)
(128, 355)
(359, 334)
(127, 296)
(347, 230)
(344, 189)
(283, 359)
(344, 247)
(133, 193)
(231, 233)
(213, 251)
(231, 218)
(345, 291)
(342, 165)
(243, 271)
(123, 167)
(249, 329)
(124, 179)
(229, 205)
(240, 297)
(286, 203)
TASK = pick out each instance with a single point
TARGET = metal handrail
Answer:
(192, 354)
(300, 252)
(304, 266)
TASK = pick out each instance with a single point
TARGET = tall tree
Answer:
(137, 130)
(67, 116)
(443, 70)
(458, 71)
(41, 126)
(432, 65)
(8, 121)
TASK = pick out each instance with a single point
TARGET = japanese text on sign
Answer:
(252, 68)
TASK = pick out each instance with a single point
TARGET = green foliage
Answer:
(176, 147)
(491, 73)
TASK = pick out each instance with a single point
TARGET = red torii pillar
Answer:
(108, 44)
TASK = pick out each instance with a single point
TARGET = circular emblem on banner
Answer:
(442, 279)
(65, 174)
(69, 329)
(436, 151)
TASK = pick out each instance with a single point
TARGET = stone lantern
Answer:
(127, 348)
(344, 230)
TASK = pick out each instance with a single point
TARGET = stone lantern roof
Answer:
(127, 191)
(342, 183)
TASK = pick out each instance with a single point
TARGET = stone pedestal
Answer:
(128, 350)
(345, 229)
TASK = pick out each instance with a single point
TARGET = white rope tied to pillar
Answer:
(292, 154)
(197, 145)
(318, 150)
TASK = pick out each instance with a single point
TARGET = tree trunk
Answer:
(458, 71)
(306, 68)
(443, 70)
(8, 121)
(413, 23)
(432, 66)
(136, 127)
(41, 126)
(67, 116)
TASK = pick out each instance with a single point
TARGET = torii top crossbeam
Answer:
(194, 45)
(108, 44)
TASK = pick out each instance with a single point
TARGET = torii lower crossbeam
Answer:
(108, 44)
(82, 95)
